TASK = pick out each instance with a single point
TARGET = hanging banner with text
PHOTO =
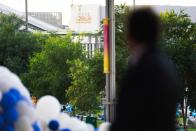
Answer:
(106, 45)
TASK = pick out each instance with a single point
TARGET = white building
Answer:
(34, 22)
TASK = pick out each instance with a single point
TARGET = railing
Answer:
(90, 42)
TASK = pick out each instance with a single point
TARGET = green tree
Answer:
(178, 42)
(48, 72)
(16, 46)
(87, 83)
(121, 14)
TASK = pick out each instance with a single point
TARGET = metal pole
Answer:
(107, 87)
(113, 62)
(111, 77)
(26, 14)
(133, 4)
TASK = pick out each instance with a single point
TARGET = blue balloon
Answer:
(8, 101)
(16, 93)
(36, 127)
(96, 129)
(1, 121)
(23, 98)
(66, 129)
(11, 116)
(53, 125)
(8, 128)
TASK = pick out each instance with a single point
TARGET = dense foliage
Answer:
(16, 46)
(48, 69)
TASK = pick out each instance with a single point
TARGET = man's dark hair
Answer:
(144, 26)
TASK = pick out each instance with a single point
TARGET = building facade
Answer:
(53, 18)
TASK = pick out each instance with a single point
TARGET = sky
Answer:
(64, 5)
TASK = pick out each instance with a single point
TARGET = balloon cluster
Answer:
(15, 104)
(17, 112)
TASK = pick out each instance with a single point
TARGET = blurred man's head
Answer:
(143, 27)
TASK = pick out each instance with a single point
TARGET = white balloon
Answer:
(90, 127)
(1, 95)
(104, 126)
(10, 80)
(48, 107)
(63, 118)
(71, 123)
(23, 124)
(67, 124)
(3, 70)
(7, 79)
(1, 108)
(82, 127)
(32, 115)
(5, 83)
(43, 125)
(25, 109)
(77, 125)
